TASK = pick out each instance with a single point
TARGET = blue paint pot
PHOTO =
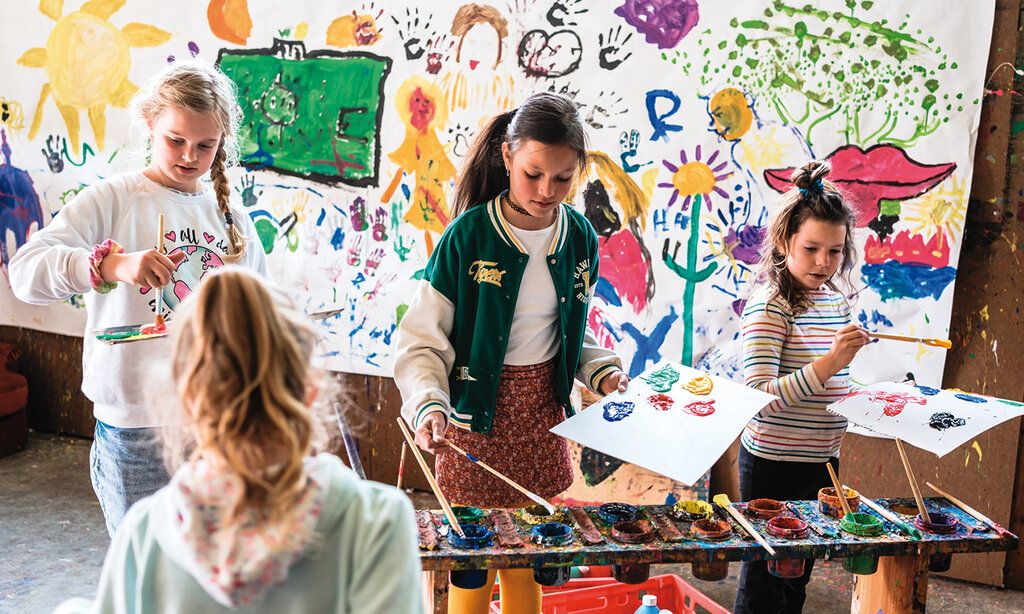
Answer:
(552, 576)
(617, 512)
(467, 578)
(476, 536)
(552, 534)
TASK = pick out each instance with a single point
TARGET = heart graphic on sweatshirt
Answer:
(170, 235)
(209, 237)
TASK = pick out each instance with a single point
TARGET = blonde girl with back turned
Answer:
(102, 244)
(258, 517)
(809, 244)
(497, 331)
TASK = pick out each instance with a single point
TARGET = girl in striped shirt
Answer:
(785, 447)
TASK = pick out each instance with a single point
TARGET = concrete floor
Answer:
(52, 543)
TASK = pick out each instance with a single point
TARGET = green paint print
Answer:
(810, 66)
(663, 379)
(315, 115)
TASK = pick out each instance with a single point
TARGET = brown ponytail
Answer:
(222, 189)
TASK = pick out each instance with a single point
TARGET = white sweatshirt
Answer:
(54, 265)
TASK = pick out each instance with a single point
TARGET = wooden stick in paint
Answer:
(723, 500)
(839, 489)
(967, 508)
(401, 465)
(939, 343)
(160, 291)
(893, 518)
(532, 496)
(452, 520)
(913, 483)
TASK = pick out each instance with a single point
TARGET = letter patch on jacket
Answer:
(484, 271)
(462, 375)
(582, 285)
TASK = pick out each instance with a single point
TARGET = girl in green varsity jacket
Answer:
(497, 330)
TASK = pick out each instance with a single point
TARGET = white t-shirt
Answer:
(534, 337)
(54, 265)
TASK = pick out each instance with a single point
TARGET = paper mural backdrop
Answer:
(671, 419)
(358, 116)
(931, 419)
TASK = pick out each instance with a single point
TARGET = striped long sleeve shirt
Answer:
(778, 350)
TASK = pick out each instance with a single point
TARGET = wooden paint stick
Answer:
(401, 465)
(452, 520)
(839, 489)
(967, 508)
(532, 496)
(893, 518)
(913, 483)
(159, 321)
(939, 343)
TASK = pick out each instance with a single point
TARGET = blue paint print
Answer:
(618, 410)
(19, 204)
(894, 280)
(338, 239)
(963, 396)
(661, 127)
(873, 319)
(606, 291)
(928, 390)
(648, 347)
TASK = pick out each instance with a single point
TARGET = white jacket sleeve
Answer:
(424, 354)
(595, 361)
(54, 264)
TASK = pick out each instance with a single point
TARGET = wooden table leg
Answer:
(435, 592)
(900, 586)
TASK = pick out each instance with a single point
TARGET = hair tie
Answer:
(229, 219)
(816, 188)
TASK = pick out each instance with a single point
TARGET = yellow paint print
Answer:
(701, 385)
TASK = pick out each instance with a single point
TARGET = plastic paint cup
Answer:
(468, 578)
(552, 534)
(710, 529)
(476, 536)
(538, 514)
(633, 532)
(711, 571)
(861, 564)
(632, 573)
(552, 576)
(787, 527)
(863, 525)
(617, 512)
(764, 508)
(786, 568)
(465, 514)
(829, 504)
(691, 510)
(941, 524)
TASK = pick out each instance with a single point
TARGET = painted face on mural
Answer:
(815, 252)
(479, 48)
(539, 178)
(184, 144)
(421, 110)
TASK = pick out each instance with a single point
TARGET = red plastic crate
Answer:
(673, 593)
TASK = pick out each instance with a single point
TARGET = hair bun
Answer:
(805, 176)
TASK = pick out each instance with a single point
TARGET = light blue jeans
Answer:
(125, 465)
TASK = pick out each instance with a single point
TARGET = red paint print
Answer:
(701, 408)
(661, 402)
(895, 402)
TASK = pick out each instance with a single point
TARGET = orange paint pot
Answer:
(829, 504)
(765, 509)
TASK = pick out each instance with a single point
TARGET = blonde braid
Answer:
(222, 189)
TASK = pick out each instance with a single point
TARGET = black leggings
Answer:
(759, 591)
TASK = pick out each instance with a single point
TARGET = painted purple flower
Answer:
(662, 22)
(746, 242)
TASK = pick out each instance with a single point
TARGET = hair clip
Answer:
(816, 187)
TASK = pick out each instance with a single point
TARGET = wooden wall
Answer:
(986, 330)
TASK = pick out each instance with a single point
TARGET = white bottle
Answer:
(649, 605)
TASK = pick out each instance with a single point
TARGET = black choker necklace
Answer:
(516, 207)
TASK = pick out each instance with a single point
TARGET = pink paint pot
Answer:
(787, 527)
(788, 568)
(829, 504)
(711, 571)
(710, 529)
(765, 509)
(941, 524)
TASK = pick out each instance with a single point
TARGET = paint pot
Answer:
(633, 532)
(617, 512)
(787, 527)
(552, 576)
(905, 510)
(476, 536)
(710, 529)
(465, 514)
(711, 571)
(552, 534)
(863, 525)
(830, 505)
(632, 573)
(941, 524)
(861, 564)
(940, 562)
(467, 578)
(538, 514)
(764, 509)
(690, 510)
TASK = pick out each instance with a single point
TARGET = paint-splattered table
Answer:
(899, 584)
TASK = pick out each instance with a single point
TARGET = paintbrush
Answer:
(532, 496)
(724, 515)
(723, 500)
(839, 489)
(823, 532)
(939, 343)
(913, 483)
(445, 507)
(401, 466)
(884, 513)
(970, 510)
(159, 323)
